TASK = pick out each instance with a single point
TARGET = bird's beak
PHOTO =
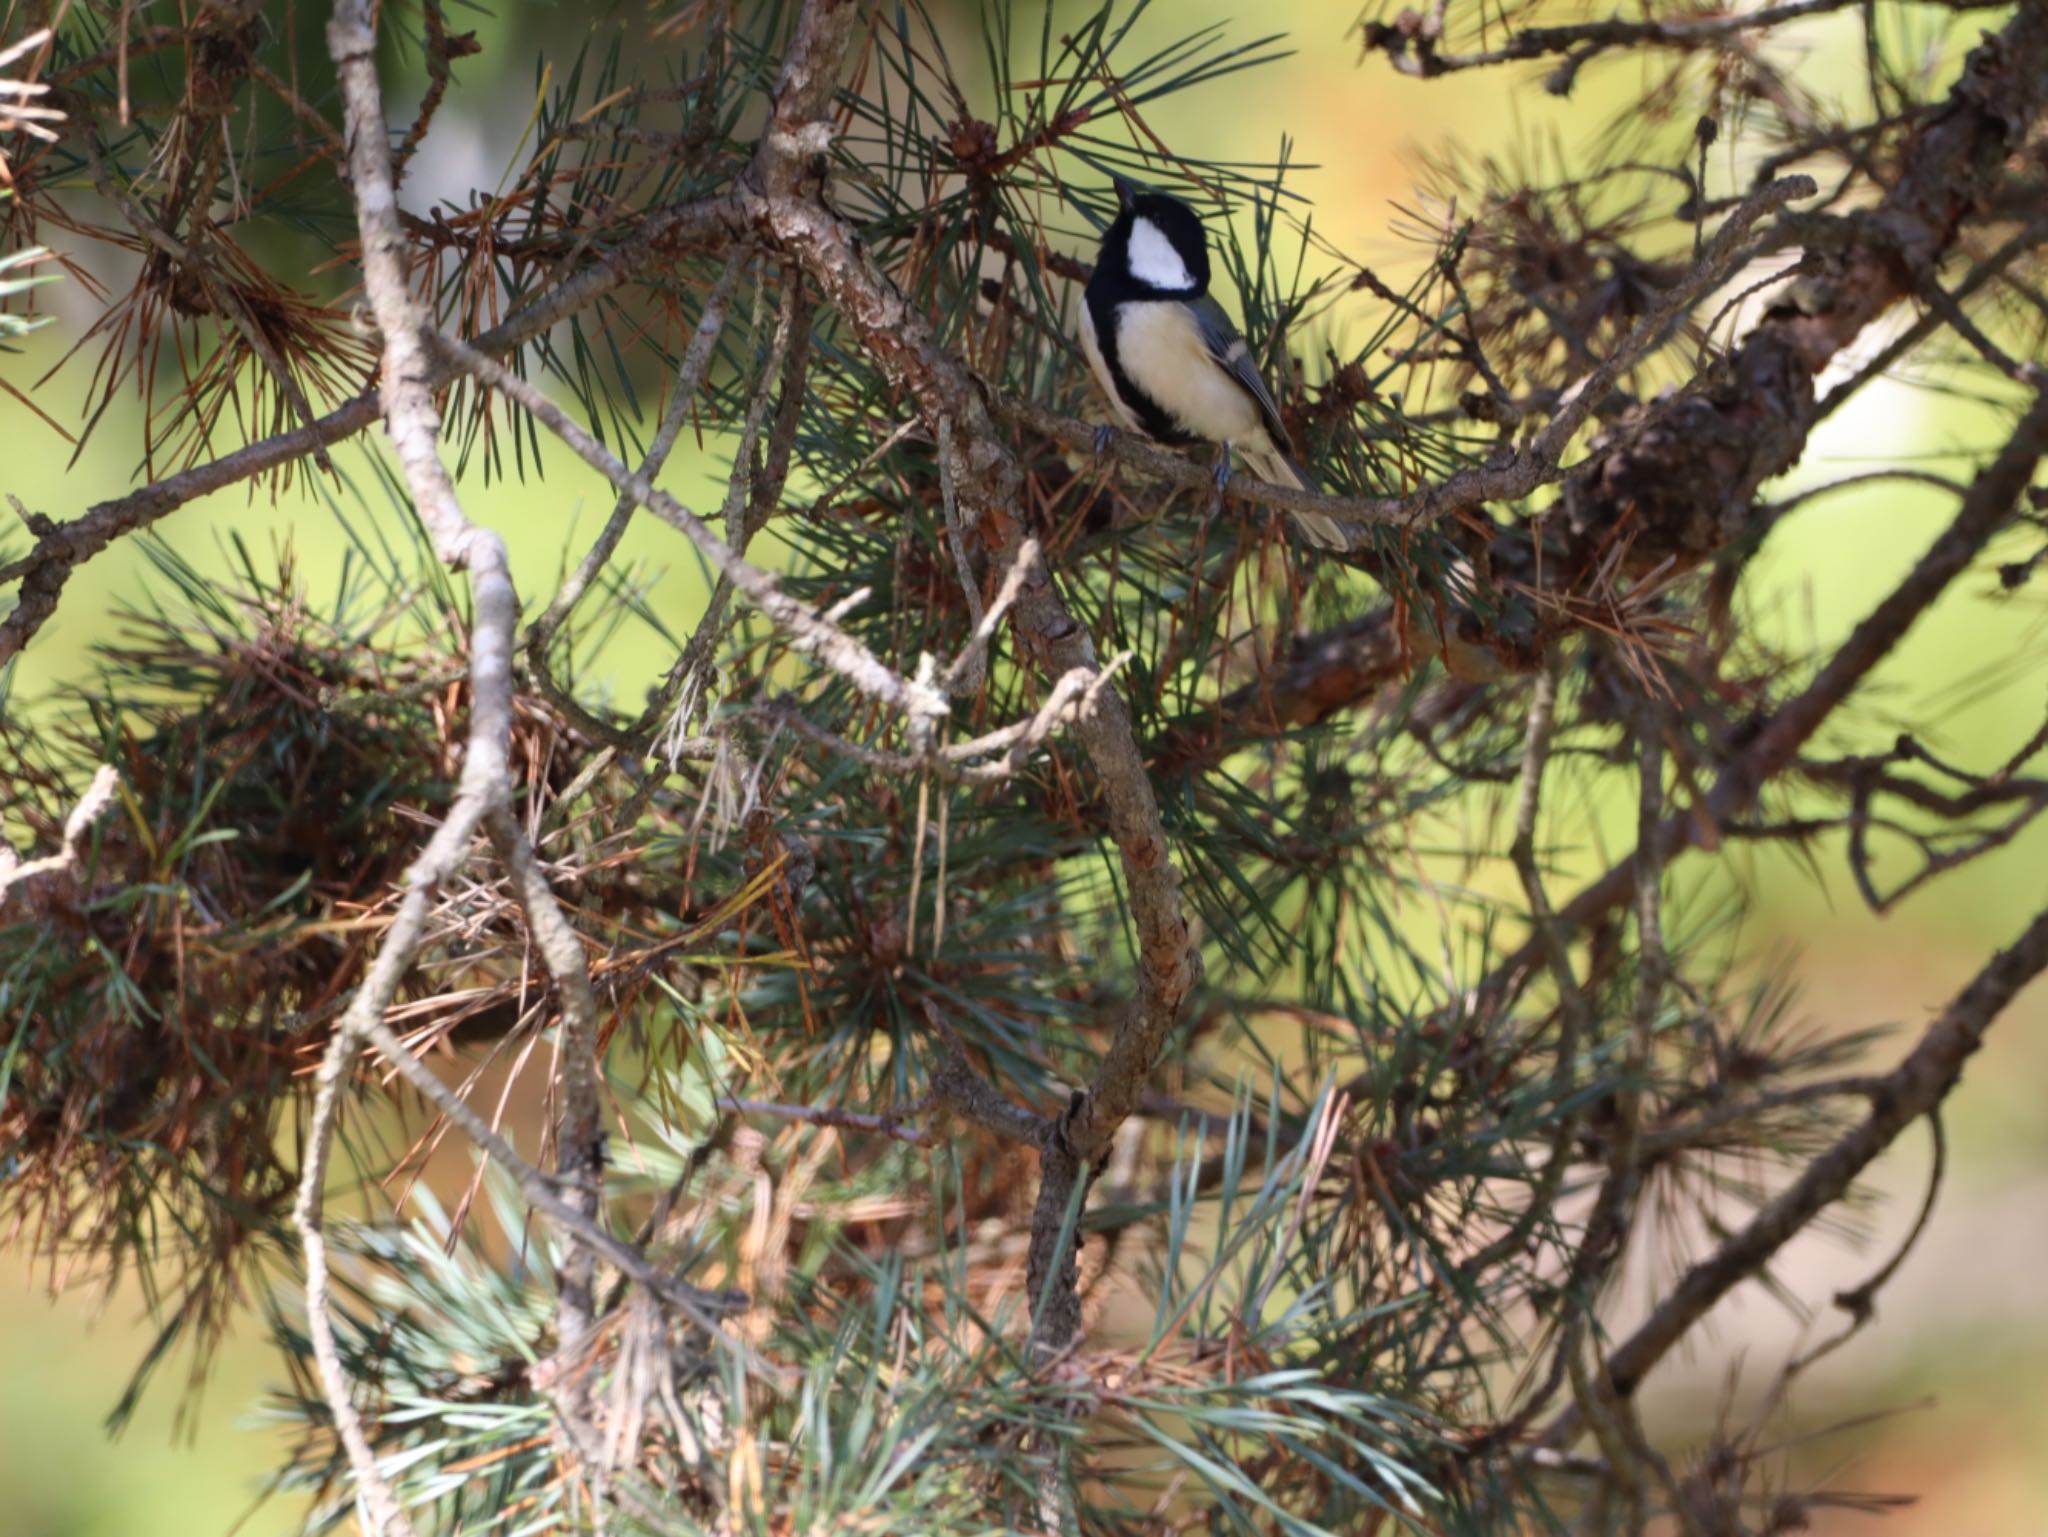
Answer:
(1126, 193)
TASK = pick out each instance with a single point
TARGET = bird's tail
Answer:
(1278, 468)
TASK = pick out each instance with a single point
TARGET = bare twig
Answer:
(1575, 1027)
(414, 427)
(957, 1084)
(1072, 696)
(690, 374)
(20, 106)
(1412, 43)
(1985, 509)
(1608, 1224)
(887, 1123)
(972, 659)
(838, 650)
(1860, 1301)
(483, 797)
(91, 806)
(968, 678)
(1913, 1089)
(746, 507)
(579, 1140)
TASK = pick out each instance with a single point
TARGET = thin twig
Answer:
(1575, 1024)
(888, 1123)
(745, 510)
(44, 571)
(1986, 508)
(1413, 49)
(579, 1140)
(1913, 1089)
(958, 1085)
(838, 650)
(690, 376)
(972, 670)
(483, 798)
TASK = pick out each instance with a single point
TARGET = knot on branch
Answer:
(1860, 1304)
(449, 46)
(806, 142)
(1068, 1132)
(39, 524)
(1409, 41)
(351, 39)
(788, 155)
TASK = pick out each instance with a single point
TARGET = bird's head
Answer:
(1156, 243)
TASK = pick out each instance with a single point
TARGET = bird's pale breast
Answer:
(1092, 346)
(1161, 348)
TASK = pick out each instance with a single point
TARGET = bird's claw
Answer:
(1221, 474)
(1104, 436)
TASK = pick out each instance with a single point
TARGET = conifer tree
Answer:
(1063, 1009)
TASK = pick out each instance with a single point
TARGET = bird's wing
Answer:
(1228, 348)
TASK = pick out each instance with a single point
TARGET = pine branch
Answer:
(1168, 963)
(1986, 508)
(1916, 1087)
(1412, 44)
(45, 569)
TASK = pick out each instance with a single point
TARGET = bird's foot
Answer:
(1221, 474)
(1104, 436)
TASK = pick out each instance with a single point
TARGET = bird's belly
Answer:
(1161, 350)
(1092, 346)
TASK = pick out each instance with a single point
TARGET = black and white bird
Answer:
(1169, 358)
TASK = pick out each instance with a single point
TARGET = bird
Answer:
(1173, 365)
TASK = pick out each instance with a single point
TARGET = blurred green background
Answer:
(1953, 1381)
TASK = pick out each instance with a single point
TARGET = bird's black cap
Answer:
(1180, 224)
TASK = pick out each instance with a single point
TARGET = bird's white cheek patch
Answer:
(1154, 261)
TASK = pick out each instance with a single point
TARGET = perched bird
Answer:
(1168, 357)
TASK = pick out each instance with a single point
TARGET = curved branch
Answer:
(484, 797)
(1682, 473)
(1986, 508)
(816, 632)
(1915, 1088)
(989, 484)
(1410, 44)
(46, 568)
